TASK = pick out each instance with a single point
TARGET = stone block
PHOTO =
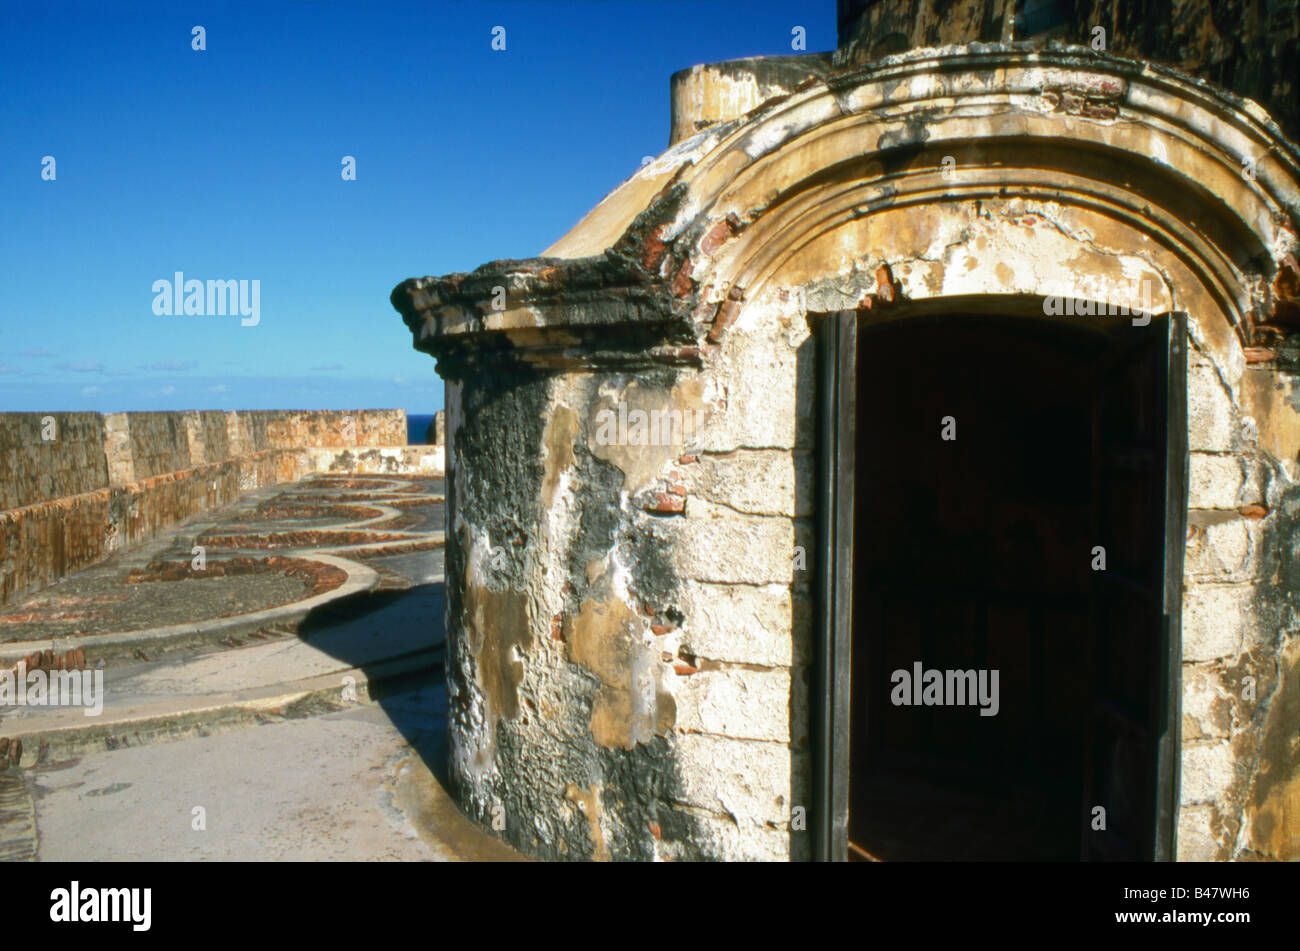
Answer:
(1208, 772)
(1220, 482)
(754, 482)
(1212, 424)
(1215, 618)
(735, 702)
(751, 781)
(1196, 841)
(765, 625)
(1220, 547)
(753, 550)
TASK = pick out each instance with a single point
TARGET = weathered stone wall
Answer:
(621, 681)
(104, 483)
(386, 460)
(1241, 671)
(34, 468)
(343, 429)
(1250, 47)
(209, 436)
(160, 442)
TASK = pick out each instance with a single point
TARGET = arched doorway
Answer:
(1003, 512)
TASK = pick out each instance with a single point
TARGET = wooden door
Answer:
(1139, 476)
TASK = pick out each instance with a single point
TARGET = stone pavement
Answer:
(349, 785)
(284, 681)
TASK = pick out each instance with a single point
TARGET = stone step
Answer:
(62, 733)
(347, 647)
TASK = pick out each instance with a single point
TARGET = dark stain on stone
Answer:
(109, 790)
(656, 578)
(638, 788)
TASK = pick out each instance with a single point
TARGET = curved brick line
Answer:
(360, 578)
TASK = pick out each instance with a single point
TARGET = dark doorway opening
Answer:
(989, 460)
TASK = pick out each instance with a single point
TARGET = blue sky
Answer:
(225, 164)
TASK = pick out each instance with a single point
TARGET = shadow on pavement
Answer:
(378, 631)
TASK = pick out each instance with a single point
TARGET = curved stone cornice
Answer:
(543, 312)
(1157, 153)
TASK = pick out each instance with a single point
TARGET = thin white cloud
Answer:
(81, 366)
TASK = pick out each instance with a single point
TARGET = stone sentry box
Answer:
(631, 622)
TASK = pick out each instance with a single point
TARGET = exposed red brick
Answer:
(725, 317)
(659, 630)
(884, 285)
(682, 282)
(720, 233)
(1104, 87)
(683, 669)
(662, 503)
(1099, 110)
(654, 248)
(1287, 281)
(1253, 511)
(319, 577)
(655, 831)
(722, 320)
(1260, 355)
(688, 458)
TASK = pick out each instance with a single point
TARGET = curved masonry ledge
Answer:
(360, 578)
(64, 732)
(388, 500)
(219, 540)
(413, 543)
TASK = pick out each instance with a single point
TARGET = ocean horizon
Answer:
(417, 424)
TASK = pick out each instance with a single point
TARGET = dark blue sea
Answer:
(417, 424)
